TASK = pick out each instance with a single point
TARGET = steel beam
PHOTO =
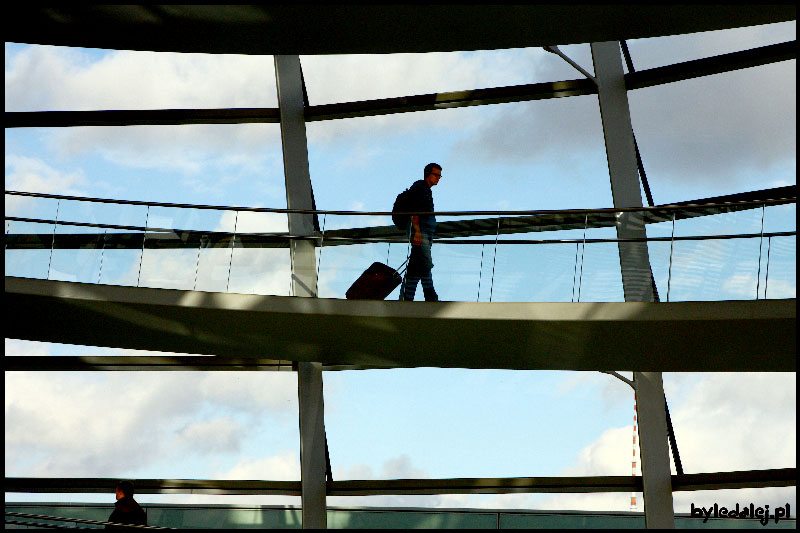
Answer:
(150, 363)
(780, 477)
(708, 66)
(144, 117)
(636, 275)
(299, 195)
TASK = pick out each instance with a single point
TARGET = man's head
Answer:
(124, 489)
(433, 173)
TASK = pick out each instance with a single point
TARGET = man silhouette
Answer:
(126, 510)
(420, 235)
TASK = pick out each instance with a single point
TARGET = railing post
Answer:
(304, 283)
(636, 276)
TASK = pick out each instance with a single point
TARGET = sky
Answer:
(722, 134)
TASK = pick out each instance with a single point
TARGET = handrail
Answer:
(76, 520)
(607, 210)
(281, 237)
(286, 237)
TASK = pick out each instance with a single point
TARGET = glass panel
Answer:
(77, 79)
(779, 267)
(172, 258)
(780, 273)
(718, 269)
(457, 272)
(28, 244)
(498, 160)
(717, 135)
(180, 425)
(660, 51)
(331, 78)
(31, 259)
(659, 252)
(79, 251)
(205, 164)
(256, 270)
(441, 428)
(599, 276)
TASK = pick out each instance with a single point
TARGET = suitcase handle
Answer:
(402, 267)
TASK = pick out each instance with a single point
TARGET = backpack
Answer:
(403, 203)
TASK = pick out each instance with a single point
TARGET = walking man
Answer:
(420, 234)
(126, 510)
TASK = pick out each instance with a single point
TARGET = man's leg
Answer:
(427, 288)
(414, 272)
(426, 262)
(409, 287)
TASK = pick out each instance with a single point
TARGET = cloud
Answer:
(220, 435)
(53, 78)
(398, 467)
(715, 129)
(31, 174)
(725, 127)
(750, 417)
(188, 149)
(57, 78)
(50, 78)
(108, 424)
(281, 467)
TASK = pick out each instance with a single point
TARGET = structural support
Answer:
(636, 276)
(299, 195)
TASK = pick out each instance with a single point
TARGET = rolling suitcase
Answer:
(376, 283)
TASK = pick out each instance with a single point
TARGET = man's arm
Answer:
(416, 232)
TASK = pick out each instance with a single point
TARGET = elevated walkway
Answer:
(731, 336)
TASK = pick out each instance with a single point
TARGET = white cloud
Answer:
(281, 467)
(250, 392)
(48, 78)
(350, 78)
(32, 174)
(70, 79)
(718, 129)
(723, 422)
(244, 271)
(105, 424)
(399, 467)
(220, 435)
(55, 78)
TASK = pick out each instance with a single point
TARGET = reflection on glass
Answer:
(28, 249)
(780, 271)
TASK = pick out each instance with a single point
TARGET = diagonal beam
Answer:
(447, 100)
(150, 363)
(711, 65)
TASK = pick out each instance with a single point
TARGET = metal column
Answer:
(636, 276)
(304, 283)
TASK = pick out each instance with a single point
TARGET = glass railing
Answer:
(723, 251)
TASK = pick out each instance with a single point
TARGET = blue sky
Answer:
(716, 135)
